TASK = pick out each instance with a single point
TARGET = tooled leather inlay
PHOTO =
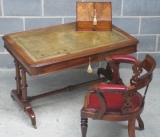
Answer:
(63, 40)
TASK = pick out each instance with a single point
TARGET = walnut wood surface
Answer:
(85, 16)
(61, 47)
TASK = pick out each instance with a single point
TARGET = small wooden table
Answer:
(57, 48)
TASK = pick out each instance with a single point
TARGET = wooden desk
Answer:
(56, 48)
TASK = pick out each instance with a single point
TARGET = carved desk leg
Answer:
(107, 73)
(20, 94)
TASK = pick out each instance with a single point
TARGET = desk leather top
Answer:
(51, 42)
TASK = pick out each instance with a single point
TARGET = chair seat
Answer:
(114, 102)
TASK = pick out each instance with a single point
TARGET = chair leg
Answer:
(140, 122)
(84, 126)
(131, 127)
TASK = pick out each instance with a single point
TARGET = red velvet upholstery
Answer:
(123, 58)
(114, 102)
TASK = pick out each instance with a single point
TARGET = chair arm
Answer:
(121, 58)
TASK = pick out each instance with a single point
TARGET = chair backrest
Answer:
(149, 65)
(139, 81)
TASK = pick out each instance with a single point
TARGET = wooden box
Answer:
(94, 16)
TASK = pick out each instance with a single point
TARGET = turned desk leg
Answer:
(20, 94)
(18, 79)
(24, 86)
(18, 90)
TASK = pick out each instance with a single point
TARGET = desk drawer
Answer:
(83, 61)
(68, 64)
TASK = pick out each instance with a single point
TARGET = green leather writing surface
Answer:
(61, 40)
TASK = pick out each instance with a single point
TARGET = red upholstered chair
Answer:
(114, 101)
